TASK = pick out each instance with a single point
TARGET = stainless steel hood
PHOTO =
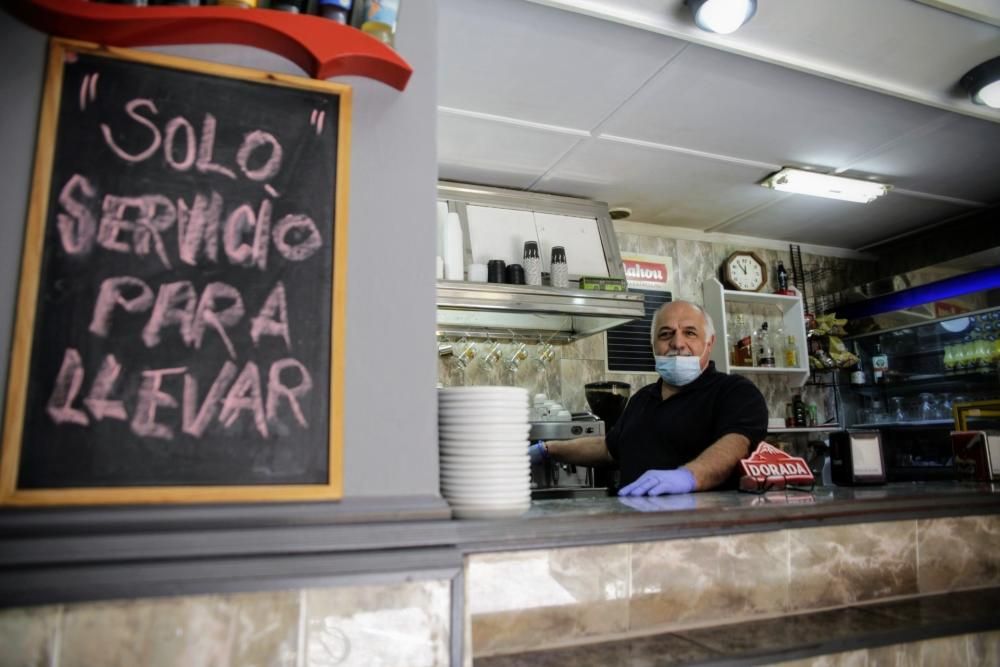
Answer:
(503, 310)
(518, 310)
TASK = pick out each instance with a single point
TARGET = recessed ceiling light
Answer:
(813, 183)
(721, 16)
(983, 83)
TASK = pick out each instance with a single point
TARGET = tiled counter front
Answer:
(520, 600)
(401, 624)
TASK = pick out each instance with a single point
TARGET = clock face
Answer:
(745, 272)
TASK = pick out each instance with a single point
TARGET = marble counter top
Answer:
(606, 519)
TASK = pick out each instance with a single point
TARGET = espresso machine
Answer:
(606, 401)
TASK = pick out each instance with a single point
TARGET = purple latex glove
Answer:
(660, 482)
(538, 452)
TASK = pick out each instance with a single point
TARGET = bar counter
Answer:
(566, 572)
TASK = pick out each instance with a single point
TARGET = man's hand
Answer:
(538, 452)
(660, 482)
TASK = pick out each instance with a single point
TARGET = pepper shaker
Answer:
(532, 264)
(559, 271)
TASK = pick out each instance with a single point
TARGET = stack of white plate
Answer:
(485, 471)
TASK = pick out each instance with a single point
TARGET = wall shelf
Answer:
(321, 47)
(716, 298)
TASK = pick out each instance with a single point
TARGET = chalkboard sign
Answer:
(179, 335)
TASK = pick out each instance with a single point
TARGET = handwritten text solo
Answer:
(202, 230)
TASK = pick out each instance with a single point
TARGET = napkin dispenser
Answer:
(856, 458)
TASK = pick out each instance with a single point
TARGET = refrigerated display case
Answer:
(930, 370)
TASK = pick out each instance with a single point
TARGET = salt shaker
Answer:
(532, 264)
(559, 271)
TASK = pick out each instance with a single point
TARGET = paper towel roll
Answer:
(454, 249)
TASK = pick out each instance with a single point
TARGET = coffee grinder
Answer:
(607, 400)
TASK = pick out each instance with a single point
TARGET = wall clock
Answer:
(745, 271)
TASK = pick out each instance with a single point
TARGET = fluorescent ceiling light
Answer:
(824, 185)
(983, 83)
(721, 16)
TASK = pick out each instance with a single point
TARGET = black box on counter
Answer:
(856, 458)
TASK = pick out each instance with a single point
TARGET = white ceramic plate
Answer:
(460, 441)
(477, 498)
(485, 397)
(514, 479)
(479, 470)
(483, 389)
(459, 476)
(487, 485)
(523, 491)
(498, 419)
(495, 432)
(465, 455)
(484, 448)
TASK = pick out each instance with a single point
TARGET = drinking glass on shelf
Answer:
(928, 407)
(896, 411)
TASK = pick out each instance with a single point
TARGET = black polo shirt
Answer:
(657, 434)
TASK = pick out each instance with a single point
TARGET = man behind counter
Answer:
(686, 432)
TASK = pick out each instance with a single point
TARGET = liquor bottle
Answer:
(880, 365)
(791, 353)
(800, 411)
(765, 348)
(858, 372)
(782, 278)
(742, 343)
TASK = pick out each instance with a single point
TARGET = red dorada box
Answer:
(977, 455)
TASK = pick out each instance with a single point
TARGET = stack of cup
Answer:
(532, 264)
(559, 271)
(485, 469)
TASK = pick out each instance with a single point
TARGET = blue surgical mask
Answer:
(678, 371)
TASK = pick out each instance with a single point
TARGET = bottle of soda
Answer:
(782, 278)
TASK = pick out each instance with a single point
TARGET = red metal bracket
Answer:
(321, 47)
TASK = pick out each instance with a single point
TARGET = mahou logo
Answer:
(645, 271)
(769, 461)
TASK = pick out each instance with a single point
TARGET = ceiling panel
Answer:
(524, 61)
(499, 154)
(799, 218)
(960, 158)
(717, 102)
(660, 186)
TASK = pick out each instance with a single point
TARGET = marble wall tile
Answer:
(593, 348)
(984, 648)
(573, 375)
(958, 552)
(951, 651)
(189, 631)
(837, 565)
(371, 626)
(707, 579)
(696, 262)
(531, 599)
(28, 636)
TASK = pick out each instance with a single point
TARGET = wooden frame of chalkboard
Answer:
(180, 316)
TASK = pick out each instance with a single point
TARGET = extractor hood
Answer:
(518, 310)
(495, 223)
